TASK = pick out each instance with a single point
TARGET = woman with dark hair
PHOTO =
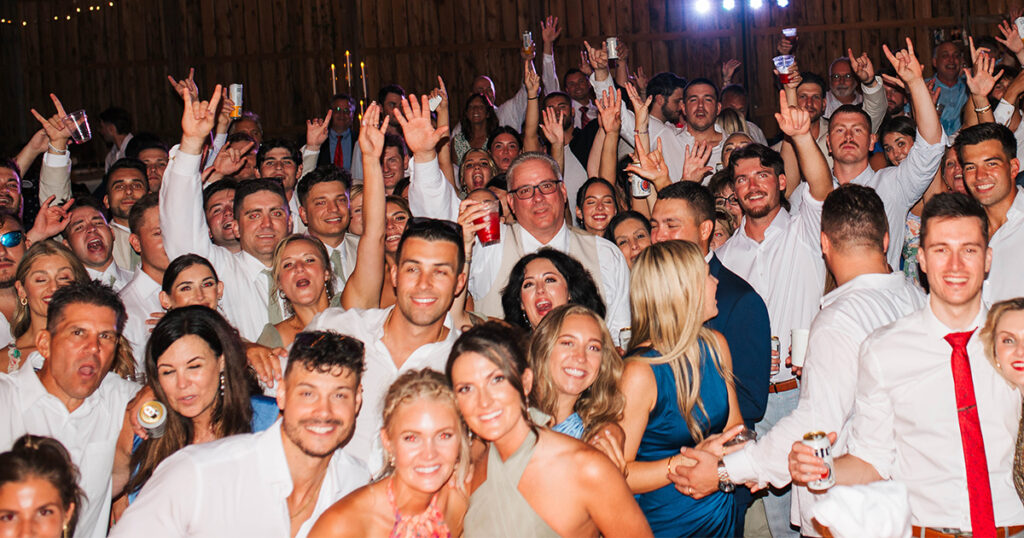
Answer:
(531, 481)
(191, 280)
(631, 232)
(196, 368)
(39, 493)
(478, 120)
(596, 204)
(504, 144)
(544, 280)
(897, 136)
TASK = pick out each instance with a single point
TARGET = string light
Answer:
(702, 6)
(728, 5)
(67, 16)
(756, 4)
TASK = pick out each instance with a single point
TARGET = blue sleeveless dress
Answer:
(669, 512)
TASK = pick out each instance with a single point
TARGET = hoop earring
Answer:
(65, 533)
(23, 301)
(222, 383)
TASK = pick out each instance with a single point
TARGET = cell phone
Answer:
(434, 102)
(1020, 26)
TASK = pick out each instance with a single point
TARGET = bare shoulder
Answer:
(581, 460)
(637, 374)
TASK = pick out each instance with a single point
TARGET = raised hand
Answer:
(371, 137)
(609, 106)
(598, 57)
(641, 107)
(54, 126)
(50, 221)
(316, 131)
(981, 81)
(640, 79)
(420, 134)
(470, 210)
(224, 114)
(695, 165)
(549, 30)
(531, 80)
(863, 69)
(976, 52)
(441, 91)
(585, 66)
(230, 160)
(184, 84)
(552, 127)
(197, 120)
(785, 46)
(729, 69)
(905, 62)
(934, 91)
(652, 165)
(793, 121)
(1011, 37)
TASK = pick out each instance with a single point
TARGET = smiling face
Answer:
(758, 188)
(326, 211)
(504, 149)
(302, 273)
(89, 237)
(220, 217)
(32, 507)
(492, 407)
(78, 352)
(195, 285)
(10, 191)
(156, 160)
(355, 223)
(10, 256)
(849, 137)
(632, 238)
(1008, 340)
(952, 172)
(424, 437)
(540, 214)
(947, 61)
(843, 82)
(396, 219)
(262, 224)
(318, 409)
(575, 359)
(45, 276)
(279, 162)
(189, 374)
(393, 166)
(598, 208)
(578, 87)
(544, 289)
(124, 187)
(988, 172)
(896, 146)
(426, 279)
(954, 256)
(810, 97)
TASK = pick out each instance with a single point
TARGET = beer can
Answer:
(528, 41)
(776, 345)
(639, 187)
(153, 417)
(625, 335)
(823, 449)
(612, 43)
(235, 93)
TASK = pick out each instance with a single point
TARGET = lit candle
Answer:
(348, 71)
(334, 81)
(362, 73)
(360, 109)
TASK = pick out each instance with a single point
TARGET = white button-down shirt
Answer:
(848, 315)
(89, 433)
(235, 486)
(117, 152)
(112, 276)
(183, 224)
(124, 256)
(141, 298)
(785, 269)
(381, 371)
(1006, 277)
(905, 420)
(430, 195)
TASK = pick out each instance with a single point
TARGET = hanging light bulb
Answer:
(702, 6)
(756, 4)
(728, 5)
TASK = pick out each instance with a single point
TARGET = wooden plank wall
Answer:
(281, 49)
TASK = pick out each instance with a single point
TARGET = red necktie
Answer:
(339, 156)
(584, 119)
(979, 491)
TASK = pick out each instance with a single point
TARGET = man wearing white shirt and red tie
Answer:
(779, 255)
(273, 483)
(930, 411)
(990, 167)
(868, 296)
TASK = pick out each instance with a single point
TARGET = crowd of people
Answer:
(604, 305)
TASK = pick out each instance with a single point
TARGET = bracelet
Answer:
(641, 132)
(668, 466)
(985, 108)
(532, 98)
(55, 150)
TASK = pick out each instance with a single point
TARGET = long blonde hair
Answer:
(666, 291)
(988, 332)
(22, 315)
(602, 402)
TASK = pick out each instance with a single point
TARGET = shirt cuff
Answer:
(740, 466)
(423, 169)
(186, 163)
(872, 89)
(306, 151)
(57, 161)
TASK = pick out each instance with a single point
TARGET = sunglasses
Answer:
(12, 239)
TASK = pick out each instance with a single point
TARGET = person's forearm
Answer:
(927, 116)
(850, 470)
(594, 157)
(558, 154)
(26, 157)
(875, 104)
(363, 288)
(813, 166)
(645, 476)
(531, 140)
(609, 157)
(982, 109)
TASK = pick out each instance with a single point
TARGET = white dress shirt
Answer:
(141, 297)
(871, 99)
(117, 152)
(89, 433)
(6, 338)
(512, 112)
(183, 224)
(235, 486)
(124, 255)
(1005, 278)
(832, 102)
(905, 420)
(848, 315)
(785, 269)
(1002, 114)
(293, 209)
(112, 276)
(381, 372)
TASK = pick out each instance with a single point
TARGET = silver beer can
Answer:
(235, 93)
(153, 417)
(823, 449)
(638, 186)
(612, 43)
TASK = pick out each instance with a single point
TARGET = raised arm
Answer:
(910, 72)
(549, 31)
(316, 135)
(552, 128)
(444, 152)
(363, 287)
(531, 139)
(429, 194)
(796, 124)
(55, 176)
(977, 109)
(609, 107)
(875, 104)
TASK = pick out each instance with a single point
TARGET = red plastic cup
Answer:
(784, 78)
(491, 234)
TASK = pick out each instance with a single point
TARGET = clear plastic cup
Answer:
(78, 125)
(782, 65)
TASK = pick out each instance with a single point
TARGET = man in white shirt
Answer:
(261, 220)
(89, 237)
(324, 209)
(576, 144)
(74, 397)
(930, 411)
(988, 153)
(273, 483)
(141, 295)
(280, 159)
(116, 130)
(125, 182)
(218, 207)
(415, 333)
(779, 254)
(868, 295)
(734, 96)
(843, 87)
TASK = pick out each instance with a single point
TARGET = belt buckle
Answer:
(954, 532)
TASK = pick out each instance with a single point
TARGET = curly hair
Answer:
(582, 288)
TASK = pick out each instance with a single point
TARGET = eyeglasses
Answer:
(731, 200)
(846, 76)
(12, 239)
(545, 187)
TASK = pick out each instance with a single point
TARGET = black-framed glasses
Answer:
(545, 187)
(727, 200)
(839, 76)
(12, 239)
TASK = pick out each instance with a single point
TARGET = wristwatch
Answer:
(724, 483)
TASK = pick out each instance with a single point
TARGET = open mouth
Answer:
(427, 470)
(321, 428)
(302, 283)
(95, 245)
(543, 307)
(491, 416)
(1017, 365)
(574, 372)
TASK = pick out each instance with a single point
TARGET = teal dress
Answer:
(669, 512)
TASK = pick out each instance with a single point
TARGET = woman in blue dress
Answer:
(196, 367)
(678, 387)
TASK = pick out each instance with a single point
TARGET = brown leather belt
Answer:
(783, 386)
(929, 532)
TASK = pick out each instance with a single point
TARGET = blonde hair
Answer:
(417, 385)
(22, 316)
(988, 332)
(321, 250)
(731, 122)
(666, 291)
(602, 402)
